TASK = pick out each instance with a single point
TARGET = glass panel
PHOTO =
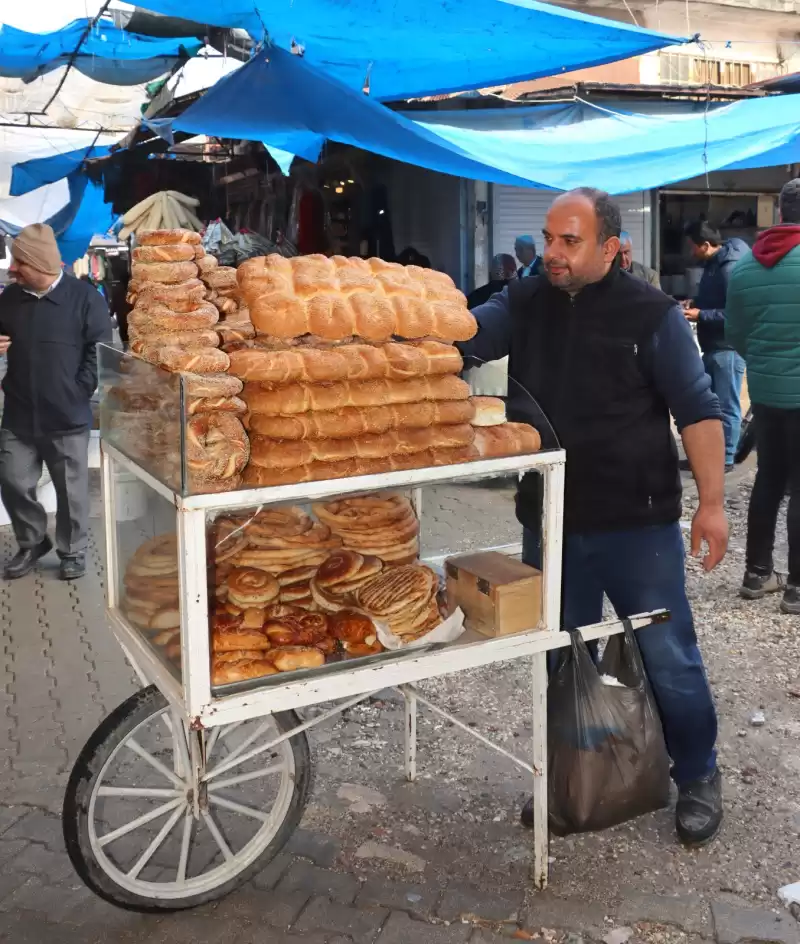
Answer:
(147, 549)
(140, 413)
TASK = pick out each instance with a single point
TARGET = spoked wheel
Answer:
(143, 837)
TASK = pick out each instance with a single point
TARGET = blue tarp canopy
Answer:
(408, 50)
(283, 101)
(30, 175)
(105, 53)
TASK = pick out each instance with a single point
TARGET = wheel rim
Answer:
(157, 837)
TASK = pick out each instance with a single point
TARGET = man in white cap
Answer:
(50, 324)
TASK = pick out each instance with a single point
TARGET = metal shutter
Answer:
(517, 211)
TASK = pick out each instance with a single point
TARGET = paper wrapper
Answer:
(447, 631)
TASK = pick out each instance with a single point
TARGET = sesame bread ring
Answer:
(161, 319)
(167, 272)
(177, 252)
(190, 339)
(201, 361)
(184, 296)
(216, 446)
(166, 237)
(210, 385)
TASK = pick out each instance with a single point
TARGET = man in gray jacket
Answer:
(628, 264)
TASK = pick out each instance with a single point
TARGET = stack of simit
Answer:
(223, 292)
(173, 325)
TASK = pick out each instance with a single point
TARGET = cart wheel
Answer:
(140, 835)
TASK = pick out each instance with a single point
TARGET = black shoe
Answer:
(684, 465)
(729, 468)
(526, 816)
(756, 586)
(73, 567)
(791, 601)
(698, 816)
(24, 560)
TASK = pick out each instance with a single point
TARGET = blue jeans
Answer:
(642, 570)
(726, 370)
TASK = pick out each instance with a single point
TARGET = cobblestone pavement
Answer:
(380, 861)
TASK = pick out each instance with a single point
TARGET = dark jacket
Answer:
(483, 293)
(52, 361)
(711, 294)
(605, 368)
(535, 270)
(762, 317)
(645, 273)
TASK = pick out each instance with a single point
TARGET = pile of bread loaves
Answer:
(352, 371)
(175, 325)
(291, 592)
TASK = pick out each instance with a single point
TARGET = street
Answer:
(444, 859)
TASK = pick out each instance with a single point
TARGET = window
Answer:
(677, 69)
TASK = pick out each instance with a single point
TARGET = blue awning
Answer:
(282, 100)
(409, 50)
(30, 175)
(106, 53)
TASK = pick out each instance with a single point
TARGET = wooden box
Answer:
(498, 594)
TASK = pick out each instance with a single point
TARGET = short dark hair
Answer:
(701, 231)
(789, 201)
(609, 218)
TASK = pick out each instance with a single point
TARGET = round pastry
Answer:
(173, 651)
(296, 575)
(210, 385)
(175, 252)
(167, 272)
(281, 632)
(248, 587)
(206, 264)
(351, 626)
(237, 655)
(325, 600)
(166, 237)
(217, 446)
(291, 658)
(363, 513)
(297, 593)
(156, 557)
(357, 650)
(408, 588)
(282, 522)
(204, 361)
(338, 567)
(241, 671)
(316, 623)
(166, 636)
(279, 611)
(229, 539)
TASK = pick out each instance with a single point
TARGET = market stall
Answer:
(263, 552)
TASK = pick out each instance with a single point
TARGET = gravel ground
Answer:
(468, 799)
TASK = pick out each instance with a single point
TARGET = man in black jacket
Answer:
(607, 357)
(50, 324)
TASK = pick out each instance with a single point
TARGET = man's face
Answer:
(626, 254)
(574, 255)
(525, 253)
(701, 253)
(29, 277)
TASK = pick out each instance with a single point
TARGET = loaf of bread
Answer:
(207, 360)
(259, 477)
(304, 398)
(508, 439)
(350, 422)
(349, 362)
(340, 297)
(277, 454)
(489, 411)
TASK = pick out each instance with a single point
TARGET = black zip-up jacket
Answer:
(52, 361)
(605, 368)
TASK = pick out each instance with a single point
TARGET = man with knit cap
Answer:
(50, 324)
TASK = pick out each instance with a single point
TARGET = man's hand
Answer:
(691, 314)
(5, 343)
(710, 525)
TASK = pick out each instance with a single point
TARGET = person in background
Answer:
(410, 256)
(629, 265)
(723, 365)
(525, 251)
(50, 324)
(607, 358)
(503, 270)
(763, 325)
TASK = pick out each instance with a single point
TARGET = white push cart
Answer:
(186, 790)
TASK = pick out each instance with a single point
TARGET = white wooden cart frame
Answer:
(192, 698)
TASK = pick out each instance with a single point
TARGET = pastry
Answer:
(202, 361)
(489, 411)
(172, 252)
(508, 439)
(165, 237)
(291, 658)
(400, 589)
(248, 587)
(242, 670)
(217, 447)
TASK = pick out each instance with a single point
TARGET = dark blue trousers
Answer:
(639, 571)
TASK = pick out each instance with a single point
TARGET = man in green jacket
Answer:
(763, 325)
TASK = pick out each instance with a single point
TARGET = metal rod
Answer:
(410, 699)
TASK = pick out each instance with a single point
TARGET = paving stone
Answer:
(462, 900)
(273, 872)
(546, 910)
(732, 925)
(322, 914)
(38, 826)
(57, 902)
(191, 928)
(400, 929)
(10, 815)
(302, 876)
(10, 881)
(415, 899)
(252, 906)
(268, 936)
(26, 928)
(11, 849)
(687, 912)
(39, 860)
(322, 850)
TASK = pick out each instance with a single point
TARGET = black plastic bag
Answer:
(608, 762)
